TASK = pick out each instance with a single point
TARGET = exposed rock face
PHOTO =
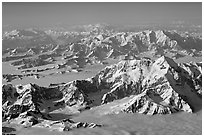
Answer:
(159, 87)
(66, 125)
(162, 85)
(75, 94)
(41, 99)
(31, 104)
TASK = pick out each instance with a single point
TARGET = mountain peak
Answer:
(164, 59)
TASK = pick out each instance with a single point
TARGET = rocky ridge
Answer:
(29, 105)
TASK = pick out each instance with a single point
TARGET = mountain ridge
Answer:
(100, 45)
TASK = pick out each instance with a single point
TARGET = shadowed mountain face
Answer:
(141, 86)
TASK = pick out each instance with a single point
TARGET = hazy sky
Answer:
(45, 14)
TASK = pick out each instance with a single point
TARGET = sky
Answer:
(48, 14)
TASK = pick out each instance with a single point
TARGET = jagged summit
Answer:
(165, 61)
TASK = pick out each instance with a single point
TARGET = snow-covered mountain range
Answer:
(95, 43)
(140, 86)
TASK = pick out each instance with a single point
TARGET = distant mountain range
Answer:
(97, 42)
